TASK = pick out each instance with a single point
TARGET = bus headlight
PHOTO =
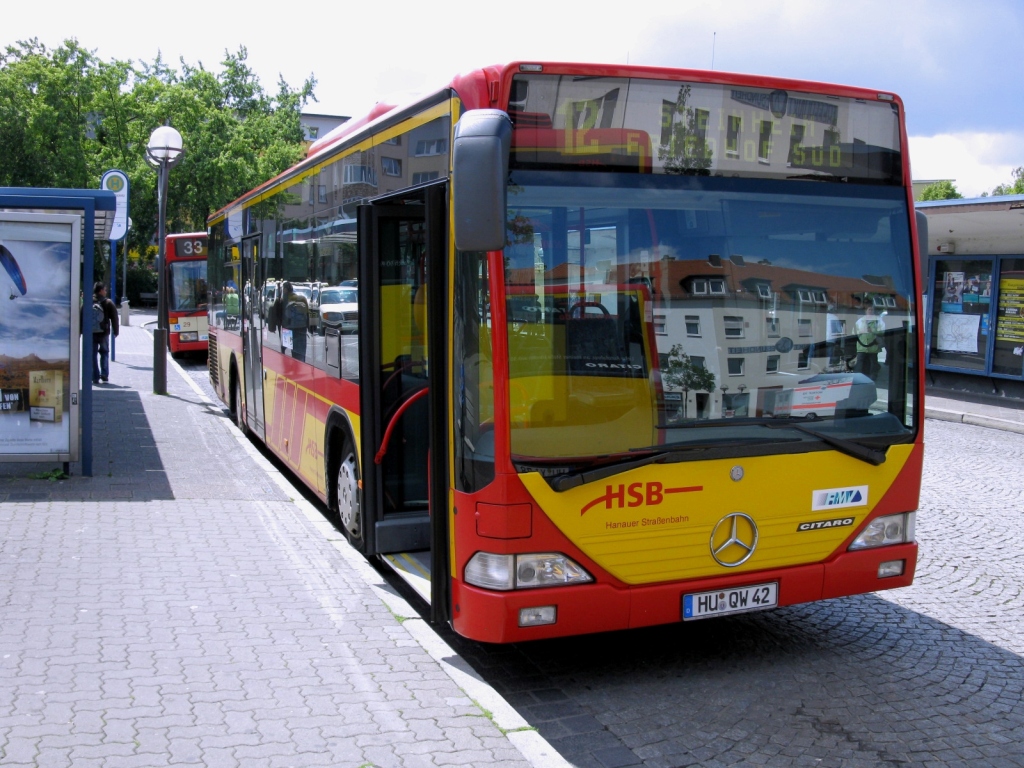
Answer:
(188, 336)
(884, 531)
(547, 570)
(506, 572)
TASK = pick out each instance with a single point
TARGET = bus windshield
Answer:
(188, 285)
(646, 315)
(702, 129)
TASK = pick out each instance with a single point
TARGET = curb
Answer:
(941, 414)
(534, 748)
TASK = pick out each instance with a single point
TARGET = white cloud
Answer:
(976, 162)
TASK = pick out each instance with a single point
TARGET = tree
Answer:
(1016, 187)
(46, 115)
(681, 372)
(66, 117)
(235, 136)
(684, 148)
(941, 190)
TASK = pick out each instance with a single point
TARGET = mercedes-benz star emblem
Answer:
(734, 539)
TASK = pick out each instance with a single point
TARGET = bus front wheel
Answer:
(236, 407)
(347, 490)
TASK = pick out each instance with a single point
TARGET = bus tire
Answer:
(236, 405)
(346, 496)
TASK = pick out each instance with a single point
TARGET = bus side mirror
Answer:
(483, 140)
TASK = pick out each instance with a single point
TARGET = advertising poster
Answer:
(977, 289)
(37, 336)
(952, 292)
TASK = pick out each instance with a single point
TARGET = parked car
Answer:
(339, 308)
(268, 296)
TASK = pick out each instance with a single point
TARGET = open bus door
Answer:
(252, 336)
(403, 402)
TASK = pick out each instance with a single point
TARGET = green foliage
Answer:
(52, 475)
(681, 372)
(940, 190)
(141, 279)
(1016, 187)
(66, 117)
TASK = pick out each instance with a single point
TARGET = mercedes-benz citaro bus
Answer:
(587, 300)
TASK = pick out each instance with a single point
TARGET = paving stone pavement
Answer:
(184, 607)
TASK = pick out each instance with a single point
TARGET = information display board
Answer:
(1008, 358)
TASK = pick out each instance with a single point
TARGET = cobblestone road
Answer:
(931, 675)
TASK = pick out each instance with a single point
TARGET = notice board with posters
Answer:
(39, 336)
(1008, 356)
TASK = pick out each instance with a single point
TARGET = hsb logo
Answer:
(635, 495)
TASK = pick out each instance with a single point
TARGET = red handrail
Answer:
(394, 420)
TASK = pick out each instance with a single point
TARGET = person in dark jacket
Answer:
(101, 334)
(293, 316)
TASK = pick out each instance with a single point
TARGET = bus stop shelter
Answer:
(975, 295)
(30, 217)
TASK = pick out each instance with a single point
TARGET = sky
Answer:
(957, 65)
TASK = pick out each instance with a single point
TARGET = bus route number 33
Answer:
(192, 248)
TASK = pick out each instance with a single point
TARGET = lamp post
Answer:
(163, 152)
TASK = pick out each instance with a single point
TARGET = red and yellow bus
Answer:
(187, 307)
(531, 339)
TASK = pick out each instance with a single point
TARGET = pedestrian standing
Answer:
(104, 321)
(295, 318)
(869, 328)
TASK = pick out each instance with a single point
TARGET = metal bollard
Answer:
(124, 311)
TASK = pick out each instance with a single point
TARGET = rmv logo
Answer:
(635, 495)
(842, 497)
(835, 498)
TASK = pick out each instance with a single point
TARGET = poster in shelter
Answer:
(36, 328)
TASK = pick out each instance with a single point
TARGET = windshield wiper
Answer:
(665, 455)
(565, 482)
(742, 421)
(872, 456)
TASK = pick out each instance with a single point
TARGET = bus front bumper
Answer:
(493, 617)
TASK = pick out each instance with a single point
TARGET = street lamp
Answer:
(163, 152)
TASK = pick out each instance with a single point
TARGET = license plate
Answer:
(722, 602)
